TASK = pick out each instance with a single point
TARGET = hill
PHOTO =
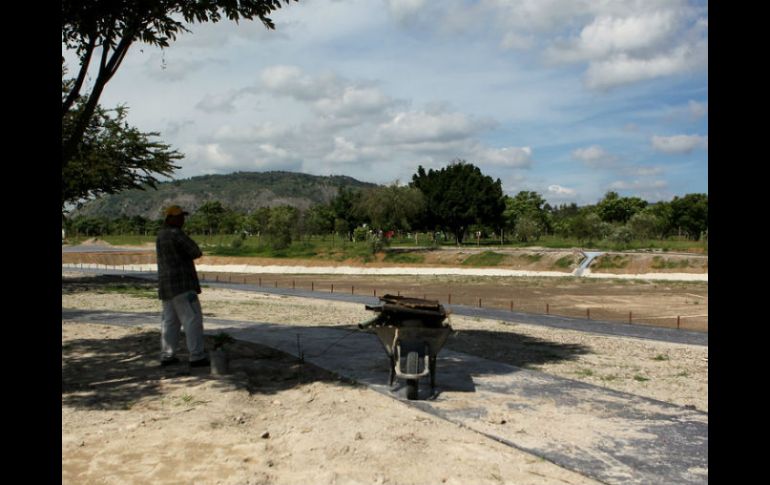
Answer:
(241, 191)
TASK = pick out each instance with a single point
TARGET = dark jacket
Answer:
(176, 270)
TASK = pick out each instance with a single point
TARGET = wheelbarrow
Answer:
(411, 330)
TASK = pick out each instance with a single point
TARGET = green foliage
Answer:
(610, 261)
(613, 208)
(360, 234)
(526, 214)
(403, 258)
(661, 263)
(391, 207)
(459, 195)
(690, 214)
(565, 262)
(112, 156)
(486, 258)
(222, 339)
(109, 28)
(527, 229)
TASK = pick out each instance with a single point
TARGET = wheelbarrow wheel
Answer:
(412, 367)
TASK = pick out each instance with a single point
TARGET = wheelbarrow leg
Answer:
(432, 363)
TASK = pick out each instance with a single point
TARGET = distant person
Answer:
(178, 289)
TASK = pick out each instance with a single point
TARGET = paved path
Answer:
(614, 437)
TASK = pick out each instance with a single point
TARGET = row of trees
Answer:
(456, 200)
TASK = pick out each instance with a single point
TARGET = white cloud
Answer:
(422, 126)
(646, 171)
(638, 185)
(256, 133)
(210, 154)
(679, 144)
(608, 35)
(403, 9)
(698, 110)
(512, 157)
(558, 190)
(218, 103)
(594, 156)
(623, 69)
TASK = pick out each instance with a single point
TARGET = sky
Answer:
(567, 98)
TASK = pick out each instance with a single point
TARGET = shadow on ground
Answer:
(115, 373)
(512, 348)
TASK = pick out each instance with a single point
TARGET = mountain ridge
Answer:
(241, 191)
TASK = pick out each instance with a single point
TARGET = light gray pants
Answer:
(183, 309)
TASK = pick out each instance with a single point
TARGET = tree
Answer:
(459, 195)
(110, 27)
(114, 156)
(111, 156)
(530, 205)
(691, 213)
(587, 226)
(346, 218)
(613, 208)
(392, 207)
(212, 215)
(282, 220)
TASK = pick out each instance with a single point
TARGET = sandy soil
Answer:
(125, 420)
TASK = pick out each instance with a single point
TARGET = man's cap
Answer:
(175, 210)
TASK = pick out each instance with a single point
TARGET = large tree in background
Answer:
(690, 214)
(391, 207)
(613, 208)
(105, 30)
(460, 195)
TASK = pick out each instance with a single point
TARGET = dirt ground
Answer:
(273, 420)
(671, 304)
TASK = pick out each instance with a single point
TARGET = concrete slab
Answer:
(611, 436)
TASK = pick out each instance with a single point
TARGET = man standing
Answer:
(178, 289)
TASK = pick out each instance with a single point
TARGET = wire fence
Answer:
(468, 296)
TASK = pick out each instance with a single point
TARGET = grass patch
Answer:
(403, 258)
(531, 258)
(131, 290)
(564, 262)
(661, 263)
(660, 357)
(639, 378)
(584, 373)
(611, 261)
(487, 258)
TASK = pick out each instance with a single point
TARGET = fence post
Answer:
(229, 278)
(547, 310)
(293, 284)
(352, 289)
(479, 302)
(449, 300)
(216, 277)
(677, 321)
(312, 286)
(511, 305)
(374, 292)
(276, 283)
(588, 313)
(332, 287)
(260, 281)
(629, 318)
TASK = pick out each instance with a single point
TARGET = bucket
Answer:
(219, 362)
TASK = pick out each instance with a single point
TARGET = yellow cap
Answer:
(175, 210)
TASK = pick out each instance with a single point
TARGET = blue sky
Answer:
(569, 98)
